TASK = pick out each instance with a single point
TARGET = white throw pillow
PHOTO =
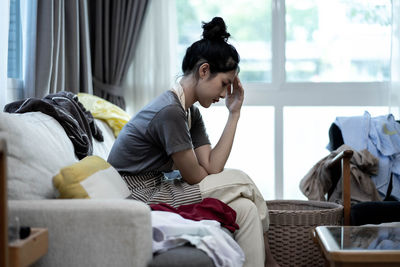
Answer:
(38, 148)
(102, 149)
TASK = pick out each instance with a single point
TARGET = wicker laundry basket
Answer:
(290, 227)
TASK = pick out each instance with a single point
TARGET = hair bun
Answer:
(215, 30)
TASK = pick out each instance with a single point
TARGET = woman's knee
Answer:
(227, 177)
(237, 175)
(248, 210)
(244, 208)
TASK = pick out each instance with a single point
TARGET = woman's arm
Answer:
(214, 160)
(188, 165)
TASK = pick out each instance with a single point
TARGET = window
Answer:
(253, 151)
(306, 138)
(14, 66)
(248, 23)
(332, 41)
(302, 64)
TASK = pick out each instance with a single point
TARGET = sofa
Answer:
(100, 231)
(82, 232)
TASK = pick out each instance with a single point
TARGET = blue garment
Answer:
(387, 239)
(381, 136)
(175, 174)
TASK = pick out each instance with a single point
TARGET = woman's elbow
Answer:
(214, 170)
(193, 178)
(193, 181)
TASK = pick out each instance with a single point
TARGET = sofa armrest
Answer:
(90, 232)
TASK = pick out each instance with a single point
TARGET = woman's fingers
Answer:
(229, 90)
(237, 86)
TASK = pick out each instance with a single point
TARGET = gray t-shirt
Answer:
(158, 130)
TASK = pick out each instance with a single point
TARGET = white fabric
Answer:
(106, 184)
(102, 149)
(171, 230)
(156, 50)
(38, 148)
(178, 90)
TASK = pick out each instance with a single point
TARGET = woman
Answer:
(169, 134)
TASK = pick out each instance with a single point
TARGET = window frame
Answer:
(280, 93)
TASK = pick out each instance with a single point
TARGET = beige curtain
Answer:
(60, 59)
(114, 29)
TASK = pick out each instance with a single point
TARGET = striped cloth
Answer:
(154, 188)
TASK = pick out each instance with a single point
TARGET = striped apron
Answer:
(154, 188)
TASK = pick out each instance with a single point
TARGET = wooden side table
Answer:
(26, 251)
(359, 246)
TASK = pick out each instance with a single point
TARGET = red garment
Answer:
(207, 209)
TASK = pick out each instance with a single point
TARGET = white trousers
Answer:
(236, 189)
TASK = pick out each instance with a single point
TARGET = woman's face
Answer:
(211, 88)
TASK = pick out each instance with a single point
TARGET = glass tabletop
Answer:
(366, 238)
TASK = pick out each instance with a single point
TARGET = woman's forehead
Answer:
(230, 75)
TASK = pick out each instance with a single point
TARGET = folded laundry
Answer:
(171, 230)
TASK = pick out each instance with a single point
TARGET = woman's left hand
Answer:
(234, 98)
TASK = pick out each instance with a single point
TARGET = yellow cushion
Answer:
(92, 177)
(101, 109)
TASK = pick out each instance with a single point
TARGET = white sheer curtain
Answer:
(153, 67)
(395, 60)
(4, 23)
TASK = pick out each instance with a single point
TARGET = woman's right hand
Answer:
(234, 99)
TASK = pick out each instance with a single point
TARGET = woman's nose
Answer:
(223, 94)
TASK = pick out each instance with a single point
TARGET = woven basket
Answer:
(290, 227)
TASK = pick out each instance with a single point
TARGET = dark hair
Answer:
(212, 49)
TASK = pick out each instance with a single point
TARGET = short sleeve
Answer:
(169, 129)
(198, 130)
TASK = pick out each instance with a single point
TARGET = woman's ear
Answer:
(204, 70)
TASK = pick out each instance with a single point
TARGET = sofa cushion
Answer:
(92, 177)
(38, 148)
(102, 149)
